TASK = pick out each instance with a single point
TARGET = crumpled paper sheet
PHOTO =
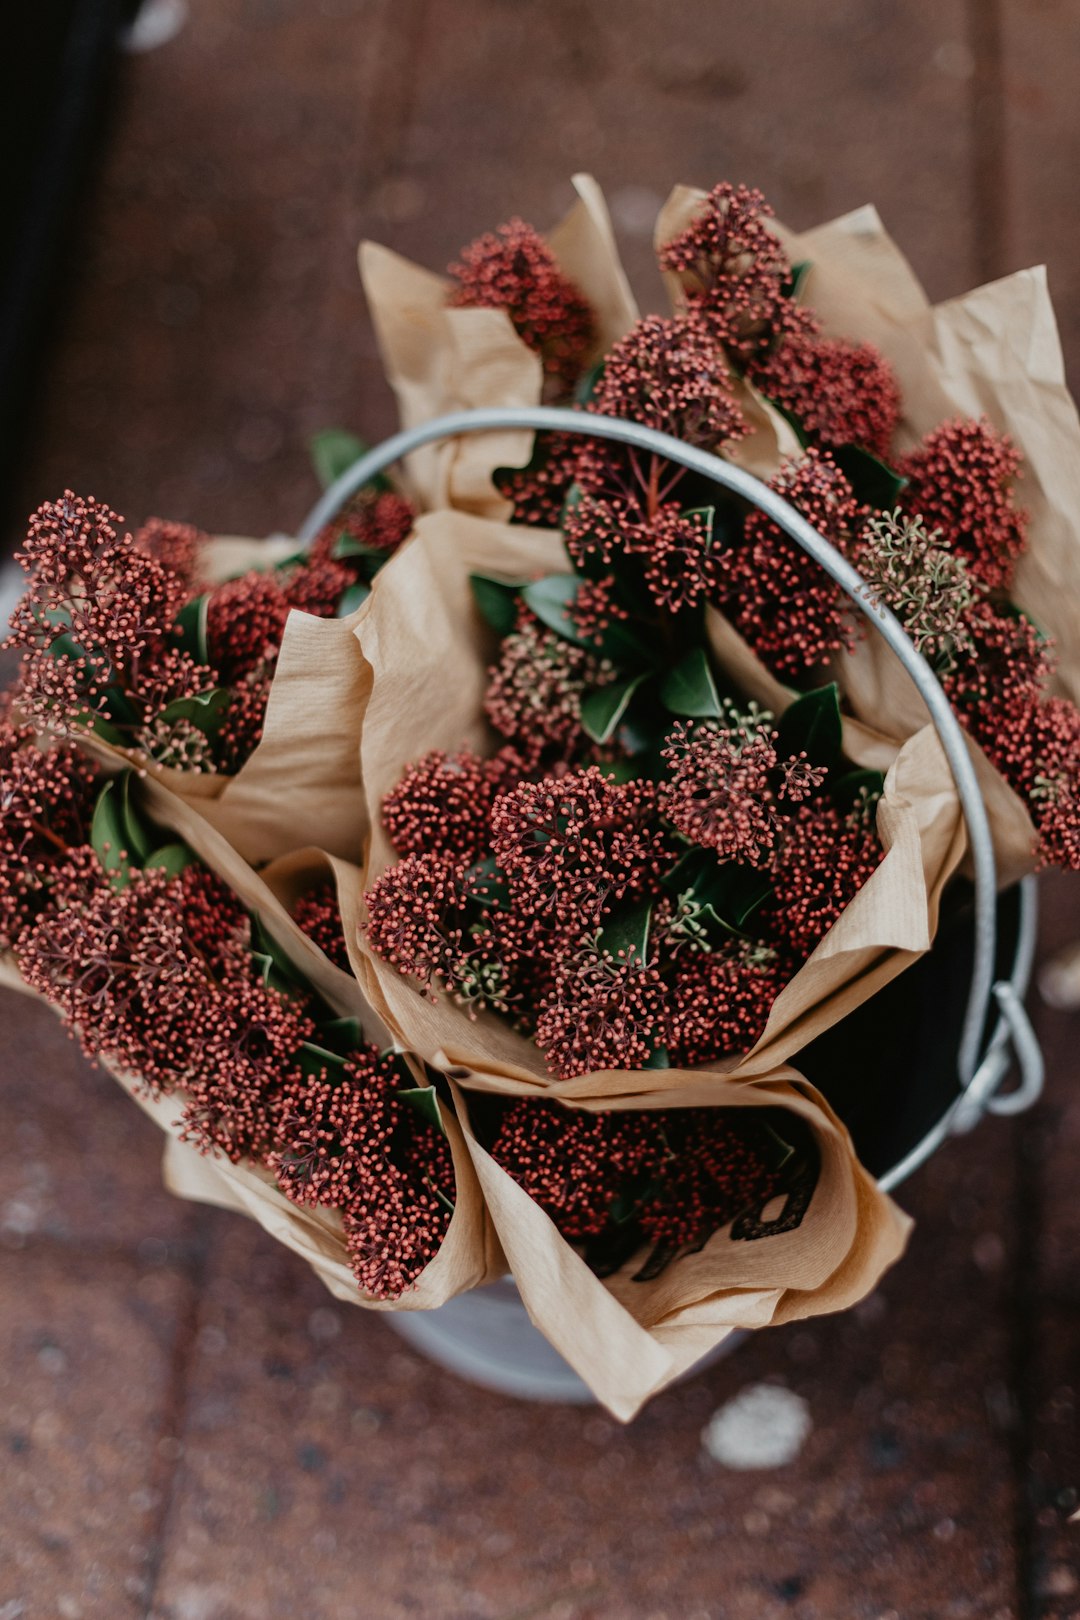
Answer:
(994, 352)
(428, 655)
(627, 1339)
(439, 359)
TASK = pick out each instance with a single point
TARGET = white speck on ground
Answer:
(1059, 980)
(155, 24)
(763, 1426)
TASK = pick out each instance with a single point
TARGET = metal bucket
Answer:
(960, 1007)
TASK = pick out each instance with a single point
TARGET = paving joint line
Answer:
(165, 1465)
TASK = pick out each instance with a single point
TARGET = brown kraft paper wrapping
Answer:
(432, 697)
(628, 1339)
(468, 1256)
(302, 780)
(439, 359)
(995, 352)
(470, 1253)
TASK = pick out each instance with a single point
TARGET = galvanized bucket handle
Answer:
(980, 1073)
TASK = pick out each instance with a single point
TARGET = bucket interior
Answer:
(890, 1068)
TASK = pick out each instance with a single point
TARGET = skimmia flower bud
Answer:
(514, 269)
(245, 622)
(442, 805)
(571, 1161)
(535, 691)
(841, 393)
(720, 1001)
(420, 917)
(378, 520)
(930, 589)
(960, 481)
(351, 1143)
(669, 1177)
(573, 845)
(95, 614)
(822, 861)
(721, 793)
(539, 490)
(735, 273)
(606, 1012)
(176, 546)
(669, 374)
(318, 914)
(792, 614)
(46, 796)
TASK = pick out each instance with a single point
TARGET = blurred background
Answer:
(194, 1430)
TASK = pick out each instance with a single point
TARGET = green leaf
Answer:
(315, 1060)
(627, 930)
(341, 1034)
(587, 384)
(707, 514)
(171, 858)
(334, 451)
(742, 891)
(874, 483)
(205, 710)
(265, 965)
(494, 889)
(107, 836)
(447, 1203)
(65, 646)
(797, 280)
(660, 1058)
(624, 648)
(602, 710)
(689, 688)
(425, 1101)
(139, 840)
(847, 788)
(190, 628)
(298, 559)
(812, 724)
(119, 707)
(727, 893)
(496, 600)
(550, 598)
(347, 547)
(282, 973)
(107, 732)
(354, 597)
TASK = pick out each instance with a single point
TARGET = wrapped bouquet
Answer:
(460, 893)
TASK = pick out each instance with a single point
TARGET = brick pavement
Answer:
(193, 1429)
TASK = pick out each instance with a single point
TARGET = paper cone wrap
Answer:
(628, 1339)
(428, 654)
(440, 359)
(994, 352)
(469, 1254)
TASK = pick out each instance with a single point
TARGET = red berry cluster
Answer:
(121, 635)
(673, 1177)
(841, 393)
(156, 974)
(46, 801)
(789, 610)
(735, 272)
(960, 482)
(353, 1144)
(511, 894)
(513, 268)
